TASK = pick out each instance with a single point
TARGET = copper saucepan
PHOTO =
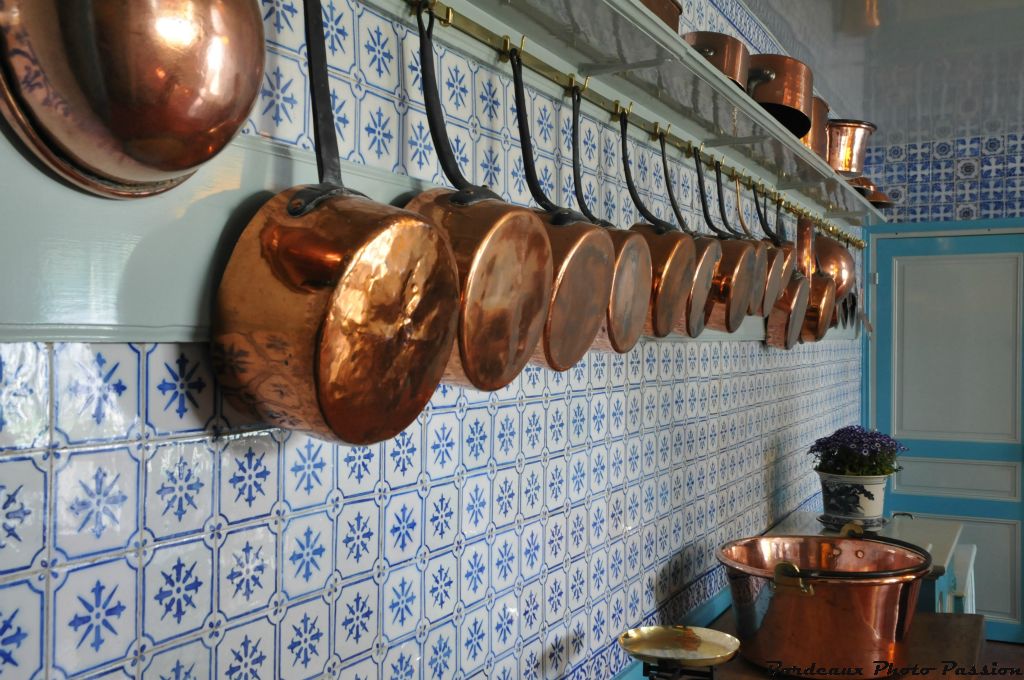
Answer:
(734, 278)
(336, 314)
(726, 53)
(786, 318)
(823, 287)
(847, 145)
(673, 255)
(127, 99)
(784, 86)
(708, 254)
(776, 274)
(583, 255)
(764, 283)
(816, 138)
(503, 254)
(837, 261)
(633, 272)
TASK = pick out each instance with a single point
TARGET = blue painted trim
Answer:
(924, 227)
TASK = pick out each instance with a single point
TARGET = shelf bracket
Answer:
(730, 141)
(597, 69)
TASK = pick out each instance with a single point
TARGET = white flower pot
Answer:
(853, 498)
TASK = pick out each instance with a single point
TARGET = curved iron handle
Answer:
(787, 575)
(660, 225)
(739, 208)
(668, 185)
(704, 199)
(515, 58)
(577, 161)
(325, 137)
(721, 201)
(768, 231)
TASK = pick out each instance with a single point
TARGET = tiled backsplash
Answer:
(151, 531)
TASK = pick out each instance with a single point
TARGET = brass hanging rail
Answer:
(502, 44)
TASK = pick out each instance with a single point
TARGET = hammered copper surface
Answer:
(822, 298)
(773, 285)
(731, 286)
(816, 138)
(847, 145)
(708, 253)
(505, 274)
(127, 99)
(673, 259)
(583, 256)
(630, 294)
(837, 261)
(313, 310)
(726, 53)
(784, 86)
(786, 318)
(854, 598)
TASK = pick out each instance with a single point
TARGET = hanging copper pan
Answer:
(336, 314)
(823, 287)
(816, 138)
(708, 252)
(127, 99)
(673, 255)
(632, 272)
(735, 275)
(780, 267)
(847, 145)
(786, 318)
(784, 86)
(726, 53)
(503, 254)
(583, 258)
(766, 280)
(837, 261)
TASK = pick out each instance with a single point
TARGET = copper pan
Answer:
(836, 260)
(767, 273)
(734, 278)
(786, 318)
(583, 254)
(847, 145)
(816, 138)
(128, 99)
(784, 86)
(336, 314)
(726, 53)
(708, 252)
(780, 267)
(673, 255)
(503, 254)
(823, 287)
(632, 272)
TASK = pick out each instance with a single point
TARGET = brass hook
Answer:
(658, 133)
(506, 46)
(573, 83)
(449, 17)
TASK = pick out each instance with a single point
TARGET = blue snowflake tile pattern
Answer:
(247, 652)
(339, 27)
(249, 477)
(441, 447)
(476, 506)
(504, 560)
(279, 113)
(307, 554)
(21, 629)
(402, 662)
(455, 80)
(246, 568)
(189, 661)
(403, 457)
(380, 136)
(505, 497)
(441, 516)
(178, 488)
(24, 395)
(343, 105)
(474, 639)
(94, 614)
(23, 510)
(304, 640)
(179, 388)
(402, 530)
(358, 536)
(420, 158)
(440, 658)
(357, 619)
(474, 572)
(358, 468)
(402, 604)
(96, 392)
(441, 586)
(97, 494)
(177, 590)
(378, 51)
(307, 469)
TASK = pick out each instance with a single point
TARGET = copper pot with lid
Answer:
(633, 272)
(127, 99)
(784, 86)
(502, 251)
(583, 256)
(816, 138)
(848, 144)
(673, 255)
(823, 287)
(726, 53)
(336, 314)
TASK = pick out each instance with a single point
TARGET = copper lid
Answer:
(784, 86)
(733, 284)
(631, 290)
(708, 254)
(726, 53)
(673, 259)
(786, 318)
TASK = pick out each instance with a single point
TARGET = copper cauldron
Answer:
(128, 99)
(847, 145)
(816, 138)
(583, 258)
(810, 602)
(632, 271)
(786, 317)
(503, 255)
(336, 314)
(673, 255)
(823, 287)
(784, 86)
(726, 53)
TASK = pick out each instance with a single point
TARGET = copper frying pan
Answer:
(672, 255)
(823, 287)
(502, 251)
(336, 314)
(786, 318)
(765, 279)
(583, 258)
(780, 259)
(836, 261)
(633, 272)
(733, 282)
(708, 254)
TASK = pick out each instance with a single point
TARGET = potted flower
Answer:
(854, 464)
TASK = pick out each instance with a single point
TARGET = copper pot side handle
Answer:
(851, 530)
(707, 52)
(787, 575)
(758, 76)
(301, 258)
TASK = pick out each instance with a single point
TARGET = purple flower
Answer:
(854, 450)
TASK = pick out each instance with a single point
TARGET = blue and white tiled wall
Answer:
(150, 531)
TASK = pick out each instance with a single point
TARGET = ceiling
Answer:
(919, 69)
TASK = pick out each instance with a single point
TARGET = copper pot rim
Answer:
(852, 123)
(623, 334)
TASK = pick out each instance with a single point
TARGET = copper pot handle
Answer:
(739, 210)
(668, 185)
(758, 76)
(721, 201)
(772, 235)
(787, 575)
(577, 162)
(660, 225)
(704, 198)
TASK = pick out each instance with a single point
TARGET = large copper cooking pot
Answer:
(336, 314)
(726, 53)
(708, 253)
(735, 276)
(583, 256)
(127, 99)
(816, 138)
(823, 287)
(673, 256)
(848, 144)
(786, 317)
(784, 86)
(809, 602)
(503, 255)
(633, 271)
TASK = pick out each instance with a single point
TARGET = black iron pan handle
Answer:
(668, 186)
(768, 231)
(704, 198)
(577, 161)
(721, 202)
(515, 58)
(660, 225)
